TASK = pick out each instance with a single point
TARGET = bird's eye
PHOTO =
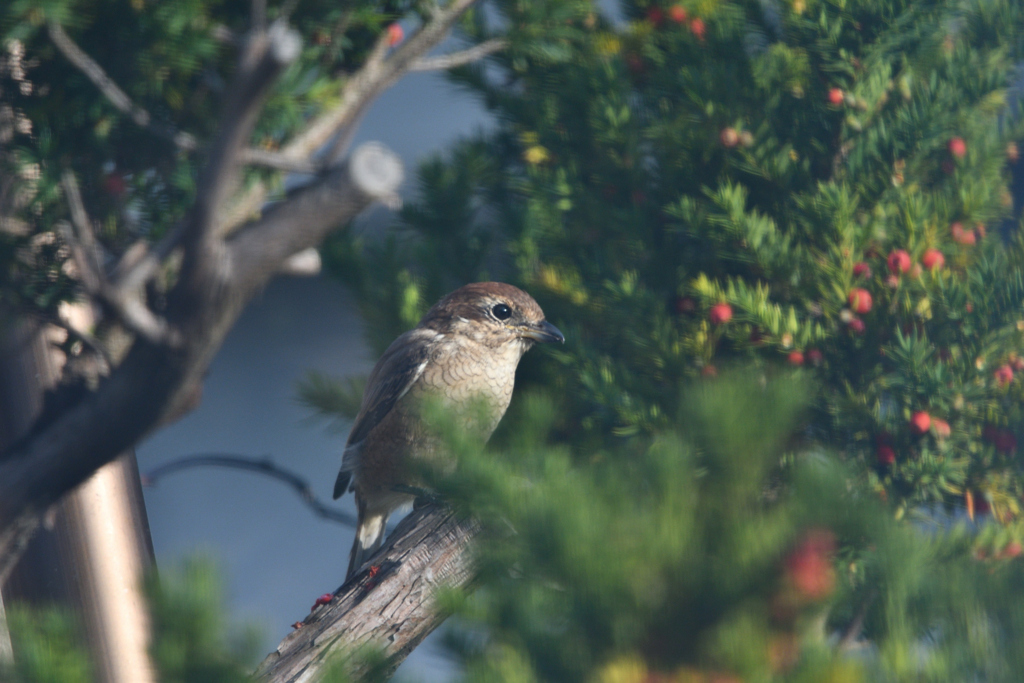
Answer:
(501, 312)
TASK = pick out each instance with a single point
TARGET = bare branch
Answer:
(361, 90)
(184, 141)
(84, 249)
(461, 58)
(280, 162)
(157, 382)
(264, 466)
(292, 226)
(265, 55)
(389, 605)
(95, 73)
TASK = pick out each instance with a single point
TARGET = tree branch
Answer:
(389, 605)
(117, 97)
(361, 90)
(126, 304)
(264, 57)
(461, 58)
(158, 382)
(183, 141)
(264, 466)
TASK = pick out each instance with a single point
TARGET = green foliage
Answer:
(48, 647)
(770, 158)
(172, 59)
(713, 553)
(191, 641)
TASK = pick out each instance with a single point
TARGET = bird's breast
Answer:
(467, 372)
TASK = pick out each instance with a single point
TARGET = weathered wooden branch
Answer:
(460, 58)
(388, 606)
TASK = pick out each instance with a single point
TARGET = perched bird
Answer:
(465, 350)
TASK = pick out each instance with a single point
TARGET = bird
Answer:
(463, 352)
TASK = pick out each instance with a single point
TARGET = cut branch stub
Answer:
(389, 605)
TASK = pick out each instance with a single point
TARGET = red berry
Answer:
(1004, 375)
(861, 269)
(899, 261)
(395, 34)
(709, 371)
(941, 427)
(857, 326)
(1005, 441)
(860, 300)
(697, 28)
(795, 358)
(677, 13)
(920, 422)
(685, 304)
(1012, 550)
(957, 147)
(729, 137)
(836, 96)
(962, 236)
(720, 313)
(933, 259)
(809, 565)
(814, 356)
(656, 16)
(885, 454)
(114, 185)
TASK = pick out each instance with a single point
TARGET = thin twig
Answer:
(262, 465)
(127, 305)
(460, 58)
(95, 73)
(184, 141)
(84, 248)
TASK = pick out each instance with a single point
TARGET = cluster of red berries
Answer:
(678, 14)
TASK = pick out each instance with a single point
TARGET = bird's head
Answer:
(493, 314)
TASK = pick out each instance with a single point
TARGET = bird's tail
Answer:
(369, 536)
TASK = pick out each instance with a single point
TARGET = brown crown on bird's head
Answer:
(492, 313)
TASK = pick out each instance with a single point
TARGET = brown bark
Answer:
(389, 605)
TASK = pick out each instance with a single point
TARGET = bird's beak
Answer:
(542, 332)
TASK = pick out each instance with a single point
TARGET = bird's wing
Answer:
(392, 377)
